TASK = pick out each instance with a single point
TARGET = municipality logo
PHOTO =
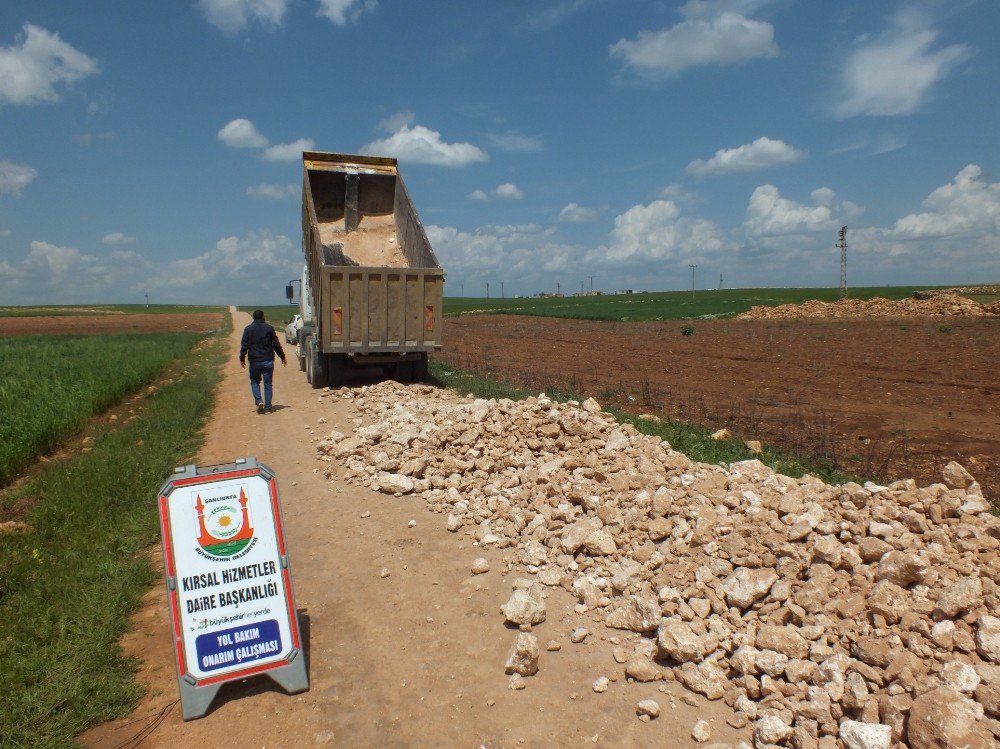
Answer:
(224, 528)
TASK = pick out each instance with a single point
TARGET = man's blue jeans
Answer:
(258, 370)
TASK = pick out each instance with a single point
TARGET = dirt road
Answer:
(414, 659)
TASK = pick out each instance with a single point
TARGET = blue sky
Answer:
(156, 146)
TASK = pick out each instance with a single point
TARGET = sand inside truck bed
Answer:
(374, 242)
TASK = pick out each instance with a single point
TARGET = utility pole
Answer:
(487, 289)
(558, 289)
(720, 282)
(842, 245)
(463, 288)
(147, 298)
(501, 290)
(591, 282)
(692, 266)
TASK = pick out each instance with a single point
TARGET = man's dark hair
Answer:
(258, 314)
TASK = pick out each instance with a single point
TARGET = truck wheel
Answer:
(402, 372)
(315, 366)
(336, 369)
(420, 368)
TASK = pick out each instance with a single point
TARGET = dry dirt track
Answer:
(412, 660)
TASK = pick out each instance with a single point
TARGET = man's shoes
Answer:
(268, 409)
(260, 407)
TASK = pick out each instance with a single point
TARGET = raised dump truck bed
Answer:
(372, 287)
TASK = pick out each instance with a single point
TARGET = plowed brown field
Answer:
(886, 398)
(102, 324)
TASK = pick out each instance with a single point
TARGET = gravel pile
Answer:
(826, 616)
(938, 305)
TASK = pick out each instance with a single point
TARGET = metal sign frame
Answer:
(287, 665)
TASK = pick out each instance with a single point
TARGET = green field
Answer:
(57, 310)
(663, 305)
(70, 581)
(51, 385)
(276, 315)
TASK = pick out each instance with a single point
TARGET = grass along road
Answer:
(70, 581)
(51, 385)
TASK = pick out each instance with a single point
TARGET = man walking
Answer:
(259, 345)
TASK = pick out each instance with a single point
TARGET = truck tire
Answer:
(420, 368)
(402, 372)
(315, 365)
(336, 369)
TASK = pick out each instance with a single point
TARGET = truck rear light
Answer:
(429, 318)
(338, 320)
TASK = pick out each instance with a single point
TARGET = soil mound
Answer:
(938, 305)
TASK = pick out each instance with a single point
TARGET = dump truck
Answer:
(372, 289)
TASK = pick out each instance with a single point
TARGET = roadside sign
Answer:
(229, 584)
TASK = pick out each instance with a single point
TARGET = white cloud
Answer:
(770, 215)
(58, 261)
(724, 39)
(234, 266)
(397, 121)
(658, 232)
(236, 270)
(232, 16)
(954, 240)
(272, 192)
(15, 177)
(895, 72)
(259, 257)
(289, 151)
(31, 69)
(966, 207)
(116, 237)
(420, 145)
(575, 213)
(5, 233)
(516, 143)
(241, 133)
(523, 252)
(508, 191)
(343, 11)
(760, 154)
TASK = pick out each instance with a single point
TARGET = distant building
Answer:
(624, 291)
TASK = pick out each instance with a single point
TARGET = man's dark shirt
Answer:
(260, 342)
